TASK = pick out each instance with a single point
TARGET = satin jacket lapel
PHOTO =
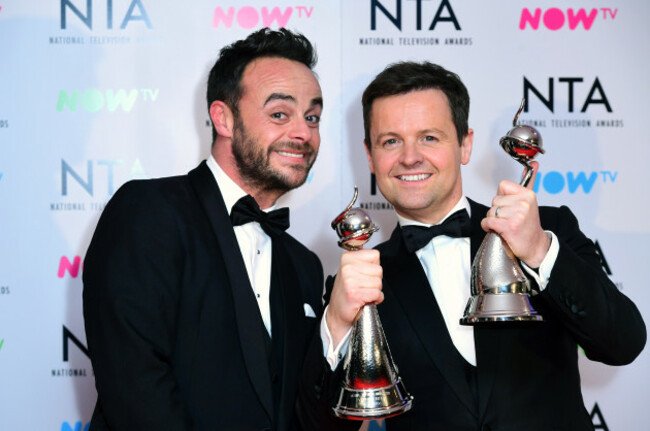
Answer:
(292, 330)
(406, 280)
(247, 312)
(486, 338)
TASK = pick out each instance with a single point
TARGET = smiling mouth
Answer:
(414, 177)
(292, 155)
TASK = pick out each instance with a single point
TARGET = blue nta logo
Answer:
(108, 167)
(135, 12)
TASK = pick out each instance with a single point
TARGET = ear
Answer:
(222, 118)
(369, 155)
(466, 147)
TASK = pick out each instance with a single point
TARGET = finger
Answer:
(508, 188)
(371, 296)
(355, 267)
(369, 256)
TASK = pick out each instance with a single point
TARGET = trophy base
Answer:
(499, 307)
(376, 403)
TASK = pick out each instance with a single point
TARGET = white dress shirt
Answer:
(447, 264)
(254, 243)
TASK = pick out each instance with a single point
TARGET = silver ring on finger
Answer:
(496, 212)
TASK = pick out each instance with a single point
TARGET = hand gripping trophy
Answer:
(371, 387)
(500, 290)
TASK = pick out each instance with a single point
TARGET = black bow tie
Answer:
(456, 225)
(246, 210)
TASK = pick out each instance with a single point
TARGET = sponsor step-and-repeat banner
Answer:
(94, 93)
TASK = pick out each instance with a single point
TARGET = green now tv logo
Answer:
(95, 100)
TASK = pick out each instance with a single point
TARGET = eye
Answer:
(430, 138)
(390, 142)
(278, 115)
(315, 119)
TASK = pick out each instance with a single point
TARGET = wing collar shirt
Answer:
(451, 286)
(254, 243)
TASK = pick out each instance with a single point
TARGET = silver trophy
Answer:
(371, 387)
(500, 290)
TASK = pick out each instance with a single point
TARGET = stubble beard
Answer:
(253, 162)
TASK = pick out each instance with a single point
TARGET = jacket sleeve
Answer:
(319, 384)
(603, 321)
(131, 289)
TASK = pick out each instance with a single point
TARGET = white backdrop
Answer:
(95, 92)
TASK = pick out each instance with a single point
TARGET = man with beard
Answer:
(198, 306)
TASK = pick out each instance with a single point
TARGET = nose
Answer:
(300, 131)
(411, 155)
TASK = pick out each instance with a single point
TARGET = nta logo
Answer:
(596, 95)
(444, 13)
(249, 17)
(94, 100)
(135, 12)
(67, 337)
(554, 18)
(597, 415)
(88, 183)
(555, 182)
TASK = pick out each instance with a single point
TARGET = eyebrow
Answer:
(316, 101)
(419, 132)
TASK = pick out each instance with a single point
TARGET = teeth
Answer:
(294, 155)
(418, 177)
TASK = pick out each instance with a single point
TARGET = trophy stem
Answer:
(499, 287)
(371, 387)
(527, 176)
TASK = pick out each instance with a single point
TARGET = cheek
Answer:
(315, 139)
(382, 165)
(445, 159)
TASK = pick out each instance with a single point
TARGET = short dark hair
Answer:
(407, 76)
(224, 81)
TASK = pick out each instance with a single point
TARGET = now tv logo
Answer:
(73, 268)
(94, 100)
(555, 18)
(555, 182)
(78, 426)
(248, 17)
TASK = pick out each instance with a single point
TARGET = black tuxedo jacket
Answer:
(174, 332)
(527, 375)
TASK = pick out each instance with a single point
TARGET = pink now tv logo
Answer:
(248, 17)
(555, 18)
(71, 268)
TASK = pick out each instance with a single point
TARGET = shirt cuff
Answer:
(542, 274)
(333, 355)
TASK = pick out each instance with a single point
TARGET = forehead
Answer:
(429, 100)
(267, 75)
(419, 108)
